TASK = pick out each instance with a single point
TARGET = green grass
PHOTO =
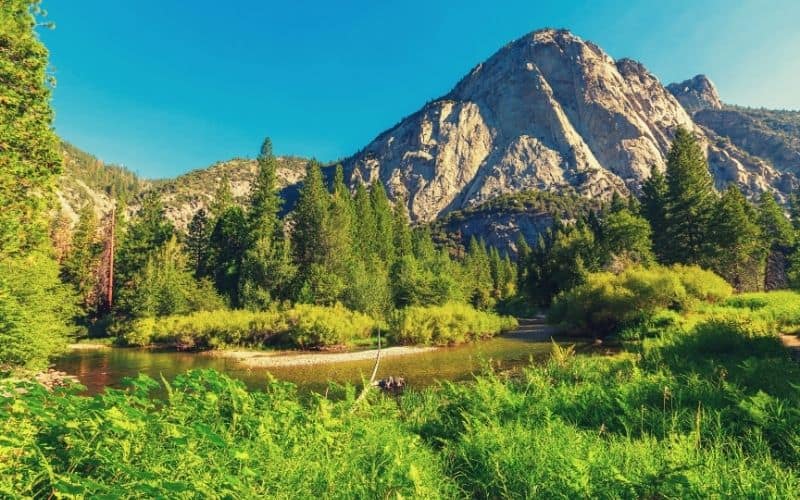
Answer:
(707, 405)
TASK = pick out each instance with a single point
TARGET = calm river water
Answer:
(97, 369)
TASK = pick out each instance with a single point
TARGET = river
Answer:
(97, 369)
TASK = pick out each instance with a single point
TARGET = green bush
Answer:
(607, 302)
(447, 324)
(303, 325)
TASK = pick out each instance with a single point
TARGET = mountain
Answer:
(549, 112)
(548, 116)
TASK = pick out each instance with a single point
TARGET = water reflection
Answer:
(107, 368)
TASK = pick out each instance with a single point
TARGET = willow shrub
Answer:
(447, 324)
(304, 325)
(606, 302)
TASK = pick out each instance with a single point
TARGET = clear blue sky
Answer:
(167, 86)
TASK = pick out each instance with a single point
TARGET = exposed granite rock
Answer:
(696, 93)
(548, 111)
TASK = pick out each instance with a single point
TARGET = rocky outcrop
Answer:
(546, 112)
(696, 93)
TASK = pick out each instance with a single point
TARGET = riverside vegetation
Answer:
(701, 401)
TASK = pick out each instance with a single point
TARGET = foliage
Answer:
(697, 411)
(304, 325)
(166, 286)
(690, 200)
(607, 302)
(447, 324)
(35, 311)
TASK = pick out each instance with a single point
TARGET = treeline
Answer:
(679, 219)
(356, 249)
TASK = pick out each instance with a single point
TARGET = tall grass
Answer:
(707, 406)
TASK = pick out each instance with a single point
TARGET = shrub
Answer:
(703, 285)
(447, 324)
(303, 325)
(606, 302)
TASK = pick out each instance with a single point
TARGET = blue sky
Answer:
(167, 86)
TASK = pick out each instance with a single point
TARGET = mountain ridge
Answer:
(547, 112)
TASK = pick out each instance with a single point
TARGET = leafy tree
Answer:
(626, 237)
(35, 311)
(166, 286)
(739, 251)
(690, 200)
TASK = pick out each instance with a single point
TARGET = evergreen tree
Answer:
(689, 202)
(477, 266)
(777, 229)
(739, 250)
(228, 244)
(80, 266)
(364, 228)
(148, 231)
(653, 208)
(309, 238)
(223, 198)
(266, 266)
(403, 243)
(197, 243)
(35, 307)
(384, 234)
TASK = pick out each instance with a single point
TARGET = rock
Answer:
(696, 93)
(547, 112)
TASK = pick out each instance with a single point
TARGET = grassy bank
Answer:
(310, 326)
(708, 406)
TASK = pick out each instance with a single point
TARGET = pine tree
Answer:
(653, 208)
(223, 198)
(266, 269)
(265, 201)
(197, 243)
(777, 229)
(382, 208)
(35, 307)
(228, 243)
(689, 202)
(739, 251)
(147, 232)
(364, 228)
(80, 265)
(403, 244)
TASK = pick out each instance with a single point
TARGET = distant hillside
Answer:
(86, 179)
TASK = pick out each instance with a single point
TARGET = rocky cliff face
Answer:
(696, 93)
(546, 112)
